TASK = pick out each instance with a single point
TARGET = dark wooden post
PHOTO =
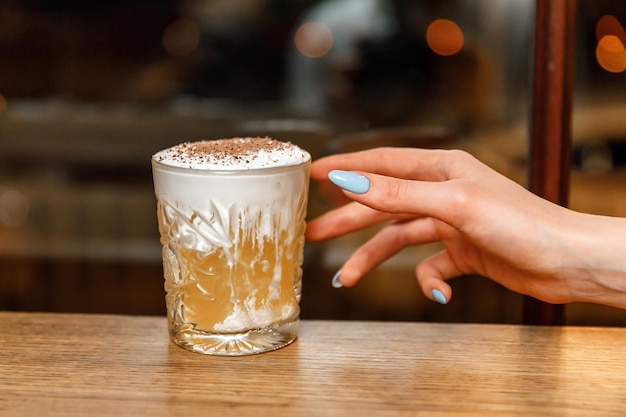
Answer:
(551, 131)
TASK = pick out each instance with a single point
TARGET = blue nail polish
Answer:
(335, 282)
(439, 297)
(350, 181)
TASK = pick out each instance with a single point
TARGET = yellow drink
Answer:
(236, 289)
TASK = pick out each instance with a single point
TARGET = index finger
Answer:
(404, 163)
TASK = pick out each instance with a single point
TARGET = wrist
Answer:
(598, 271)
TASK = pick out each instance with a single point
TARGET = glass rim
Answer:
(213, 171)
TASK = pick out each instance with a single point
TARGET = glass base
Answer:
(250, 342)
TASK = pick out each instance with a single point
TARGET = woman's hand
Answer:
(488, 224)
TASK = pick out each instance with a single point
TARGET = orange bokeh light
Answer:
(610, 51)
(611, 54)
(313, 39)
(444, 37)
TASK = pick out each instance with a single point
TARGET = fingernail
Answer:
(350, 181)
(335, 282)
(439, 297)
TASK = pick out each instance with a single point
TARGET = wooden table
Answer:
(98, 365)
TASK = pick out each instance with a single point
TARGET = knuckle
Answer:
(462, 193)
(460, 160)
(394, 191)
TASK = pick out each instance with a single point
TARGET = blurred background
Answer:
(89, 90)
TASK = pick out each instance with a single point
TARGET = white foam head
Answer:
(233, 154)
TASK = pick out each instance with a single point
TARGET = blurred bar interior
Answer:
(89, 90)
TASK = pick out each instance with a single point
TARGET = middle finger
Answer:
(346, 219)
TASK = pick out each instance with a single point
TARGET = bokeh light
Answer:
(609, 25)
(611, 54)
(313, 39)
(444, 37)
(181, 37)
(610, 50)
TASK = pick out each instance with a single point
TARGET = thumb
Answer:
(432, 274)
